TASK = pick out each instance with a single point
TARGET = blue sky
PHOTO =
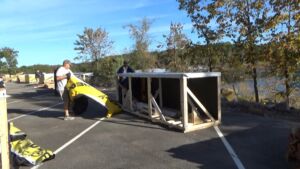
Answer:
(44, 31)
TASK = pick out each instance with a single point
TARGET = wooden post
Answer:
(219, 98)
(117, 89)
(4, 130)
(130, 93)
(149, 97)
(184, 102)
(160, 93)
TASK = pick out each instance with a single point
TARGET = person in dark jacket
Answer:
(38, 75)
(124, 69)
(123, 81)
(2, 84)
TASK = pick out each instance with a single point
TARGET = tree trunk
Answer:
(210, 64)
(286, 71)
(235, 93)
(254, 76)
(287, 88)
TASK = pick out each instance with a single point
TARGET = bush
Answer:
(105, 75)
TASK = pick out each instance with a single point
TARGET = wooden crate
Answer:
(186, 101)
(6, 78)
(21, 78)
(47, 78)
(30, 78)
(13, 78)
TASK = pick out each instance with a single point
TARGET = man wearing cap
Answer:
(62, 75)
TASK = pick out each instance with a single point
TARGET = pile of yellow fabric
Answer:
(77, 88)
(26, 151)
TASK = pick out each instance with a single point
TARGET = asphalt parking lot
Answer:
(128, 142)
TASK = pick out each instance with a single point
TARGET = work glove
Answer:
(68, 75)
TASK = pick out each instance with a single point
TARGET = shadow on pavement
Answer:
(42, 113)
(127, 119)
(260, 147)
(26, 94)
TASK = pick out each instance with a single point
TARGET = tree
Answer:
(93, 45)
(207, 22)
(217, 51)
(141, 58)
(41, 67)
(176, 42)
(109, 66)
(10, 55)
(284, 50)
(250, 23)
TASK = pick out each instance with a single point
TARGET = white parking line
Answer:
(233, 155)
(73, 140)
(17, 101)
(78, 136)
(45, 108)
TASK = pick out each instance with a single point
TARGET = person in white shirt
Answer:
(63, 74)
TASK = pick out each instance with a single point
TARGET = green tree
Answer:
(208, 24)
(175, 42)
(284, 50)
(141, 58)
(250, 20)
(108, 67)
(93, 45)
(217, 50)
(40, 67)
(10, 56)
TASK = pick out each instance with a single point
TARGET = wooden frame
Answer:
(196, 101)
(5, 152)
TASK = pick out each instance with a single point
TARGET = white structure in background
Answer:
(84, 76)
(49, 77)
(157, 70)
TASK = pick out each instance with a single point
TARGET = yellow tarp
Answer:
(78, 88)
(26, 149)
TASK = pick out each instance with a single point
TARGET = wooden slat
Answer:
(149, 96)
(130, 93)
(194, 110)
(219, 98)
(191, 94)
(201, 126)
(174, 122)
(158, 109)
(117, 89)
(171, 75)
(160, 92)
(183, 102)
